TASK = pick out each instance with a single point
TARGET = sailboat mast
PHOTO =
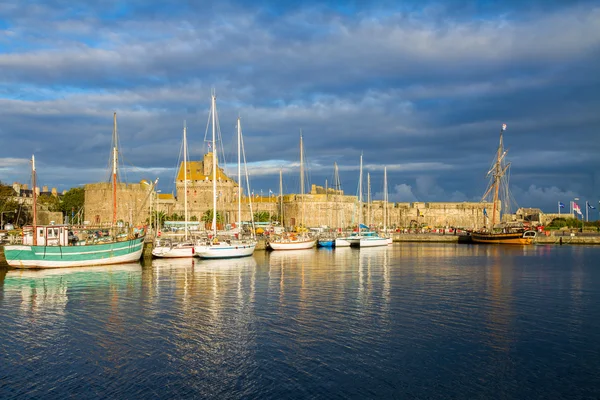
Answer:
(214, 160)
(239, 138)
(369, 198)
(336, 185)
(302, 176)
(281, 197)
(185, 180)
(385, 199)
(114, 169)
(497, 176)
(360, 193)
(33, 182)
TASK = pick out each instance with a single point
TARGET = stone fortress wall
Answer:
(320, 207)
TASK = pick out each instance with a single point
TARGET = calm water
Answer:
(408, 321)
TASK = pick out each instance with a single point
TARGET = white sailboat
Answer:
(295, 240)
(166, 247)
(372, 239)
(385, 207)
(354, 238)
(216, 247)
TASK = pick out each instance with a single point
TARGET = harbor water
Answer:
(422, 320)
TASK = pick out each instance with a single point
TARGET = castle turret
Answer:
(208, 160)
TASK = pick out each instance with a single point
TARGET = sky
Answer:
(421, 87)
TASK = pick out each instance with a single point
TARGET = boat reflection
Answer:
(225, 265)
(48, 289)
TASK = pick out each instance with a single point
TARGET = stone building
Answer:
(133, 203)
(319, 207)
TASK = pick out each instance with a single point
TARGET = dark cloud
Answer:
(421, 87)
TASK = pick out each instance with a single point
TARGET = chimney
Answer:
(54, 192)
(17, 188)
(45, 189)
(24, 186)
(37, 190)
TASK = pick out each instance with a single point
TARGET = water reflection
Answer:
(43, 290)
(411, 321)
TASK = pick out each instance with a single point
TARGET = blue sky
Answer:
(421, 87)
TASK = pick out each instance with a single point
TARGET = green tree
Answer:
(207, 217)
(160, 216)
(262, 216)
(73, 200)
(49, 202)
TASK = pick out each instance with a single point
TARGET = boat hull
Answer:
(501, 238)
(216, 251)
(35, 257)
(326, 243)
(341, 242)
(174, 252)
(293, 245)
(373, 242)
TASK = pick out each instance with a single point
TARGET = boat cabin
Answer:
(48, 235)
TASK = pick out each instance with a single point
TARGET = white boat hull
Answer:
(342, 242)
(173, 252)
(293, 245)
(225, 250)
(373, 242)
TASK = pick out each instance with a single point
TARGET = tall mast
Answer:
(336, 185)
(369, 198)
(214, 159)
(360, 193)
(327, 202)
(33, 182)
(114, 169)
(281, 197)
(302, 176)
(385, 199)
(185, 176)
(497, 175)
(239, 138)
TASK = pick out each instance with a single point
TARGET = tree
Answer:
(207, 217)
(160, 215)
(73, 200)
(11, 210)
(262, 216)
(50, 202)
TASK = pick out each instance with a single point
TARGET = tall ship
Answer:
(57, 246)
(497, 232)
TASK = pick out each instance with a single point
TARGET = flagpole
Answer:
(586, 211)
(559, 209)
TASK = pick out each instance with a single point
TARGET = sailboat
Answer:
(216, 247)
(370, 238)
(385, 207)
(354, 238)
(166, 247)
(56, 246)
(295, 240)
(327, 238)
(501, 233)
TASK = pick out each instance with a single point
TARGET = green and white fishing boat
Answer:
(58, 246)
(55, 247)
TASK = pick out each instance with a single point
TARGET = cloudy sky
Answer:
(421, 87)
